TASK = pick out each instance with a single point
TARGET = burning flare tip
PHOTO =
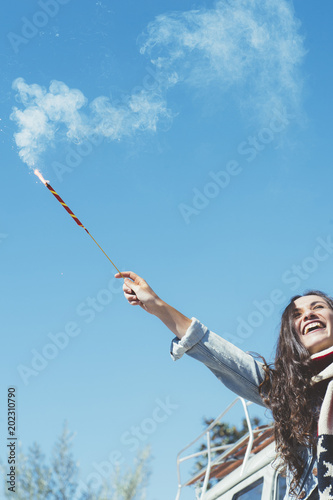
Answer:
(40, 177)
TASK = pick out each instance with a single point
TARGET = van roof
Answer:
(229, 463)
(234, 457)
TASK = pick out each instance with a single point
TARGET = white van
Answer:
(243, 470)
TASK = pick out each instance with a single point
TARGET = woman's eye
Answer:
(319, 306)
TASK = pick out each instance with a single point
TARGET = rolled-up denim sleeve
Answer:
(236, 369)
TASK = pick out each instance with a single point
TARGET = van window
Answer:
(251, 492)
(281, 487)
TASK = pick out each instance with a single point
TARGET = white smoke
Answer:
(52, 114)
(250, 46)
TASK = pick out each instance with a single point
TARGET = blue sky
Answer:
(196, 149)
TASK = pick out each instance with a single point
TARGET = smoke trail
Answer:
(61, 112)
(252, 47)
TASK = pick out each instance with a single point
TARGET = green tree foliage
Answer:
(38, 480)
(64, 468)
(32, 476)
(136, 479)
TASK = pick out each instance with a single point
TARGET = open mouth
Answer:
(313, 327)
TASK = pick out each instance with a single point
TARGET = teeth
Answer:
(312, 325)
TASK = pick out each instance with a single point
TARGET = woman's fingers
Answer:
(132, 282)
(134, 301)
(127, 289)
(129, 294)
(127, 274)
(133, 276)
(138, 292)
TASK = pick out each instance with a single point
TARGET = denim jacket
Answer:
(242, 374)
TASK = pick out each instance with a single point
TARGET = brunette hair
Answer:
(288, 393)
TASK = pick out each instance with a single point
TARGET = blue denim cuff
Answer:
(193, 335)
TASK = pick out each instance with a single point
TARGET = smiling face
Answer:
(313, 319)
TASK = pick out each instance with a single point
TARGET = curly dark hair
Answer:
(288, 393)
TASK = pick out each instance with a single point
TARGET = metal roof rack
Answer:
(231, 456)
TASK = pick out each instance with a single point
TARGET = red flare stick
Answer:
(66, 207)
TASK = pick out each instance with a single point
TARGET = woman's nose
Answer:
(308, 314)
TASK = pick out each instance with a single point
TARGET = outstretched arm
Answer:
(236, 369)
(138, 293)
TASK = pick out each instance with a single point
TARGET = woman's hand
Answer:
(138, 292)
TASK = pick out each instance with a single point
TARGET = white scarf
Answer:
(325, 428)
